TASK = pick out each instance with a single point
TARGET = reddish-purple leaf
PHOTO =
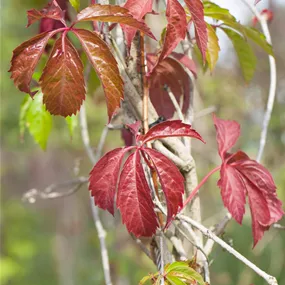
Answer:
(233, 191)
(176, 27)
(196, 9)
(104, 177)
(171, 180)
(256, 2)
(62, 80)
(134, 199)
(106, 67)
(25, 59)
(48, 24)
(228, 133)
(134, 128)
(186, 61)
(113, 14)
(51, 11)
(138, 9)
(173, 128)
(241, 176)
(169, 73)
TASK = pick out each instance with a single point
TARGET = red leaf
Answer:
(62, 80)
(240, 176)
(168, 74)
(113, 14)
(106, 67)
(173, 128)
(25, 59)
(196, 9)
(134, 199)
(104, 177)
(138, 9)
(134, 128)
(233, 191)
(176, 27)
(228, 133)
(51, 11)
(171, 180)
(186, 61)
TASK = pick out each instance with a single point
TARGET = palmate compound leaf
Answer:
(62, 80)
(134, 199)
(173, 128)
(51, 11)
(241, 176)
(25, 59)
(114, 14)
(171, 180)
(106, 67)
(134, 196)
(176, 28)
(197, 12)
(169, 73)
(138, 9)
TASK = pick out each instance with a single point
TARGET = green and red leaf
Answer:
(62, 80)
(106, 67)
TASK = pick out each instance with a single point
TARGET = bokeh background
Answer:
(55, 241)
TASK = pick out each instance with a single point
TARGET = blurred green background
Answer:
(55, 241)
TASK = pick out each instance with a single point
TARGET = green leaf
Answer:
(259, 39)
(75, 4)
(23, 114)
(213, 48)
(182, 270)
(72, 123)
(145, 279)
(246, 56)
(216, 12)
(173, 280)
(33, 115)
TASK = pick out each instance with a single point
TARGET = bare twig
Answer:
(142, 246)
(100, 230)
(278, 227)
(49, 193)
(273, 78)
(218, 230)
(175, 104)
(268, 278)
